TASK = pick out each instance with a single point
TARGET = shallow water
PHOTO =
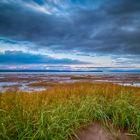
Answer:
(25, 88)
(130, 84)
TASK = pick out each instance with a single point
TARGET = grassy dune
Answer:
(58, 113)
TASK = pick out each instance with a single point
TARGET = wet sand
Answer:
(22, 81)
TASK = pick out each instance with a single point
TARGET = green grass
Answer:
(42, 84)
(58, 113)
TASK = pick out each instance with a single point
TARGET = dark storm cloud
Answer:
(94, 27)
(19, 57)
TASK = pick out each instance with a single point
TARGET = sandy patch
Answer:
(98, 132)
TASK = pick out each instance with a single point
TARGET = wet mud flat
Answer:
(30, 82)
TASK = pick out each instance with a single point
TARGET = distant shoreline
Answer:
(77, 71)
(50, 71)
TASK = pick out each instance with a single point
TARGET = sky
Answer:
(70, 34)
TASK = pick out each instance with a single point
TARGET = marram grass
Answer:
(58, 113)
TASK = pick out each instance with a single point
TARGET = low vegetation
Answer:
(42, 84)
(58, 113)
(81, 78)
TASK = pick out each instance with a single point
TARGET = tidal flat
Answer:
(30, 82)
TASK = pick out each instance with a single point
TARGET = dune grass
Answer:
(58, 113)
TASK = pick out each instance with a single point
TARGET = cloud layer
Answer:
(18, 57)
(99, 27)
